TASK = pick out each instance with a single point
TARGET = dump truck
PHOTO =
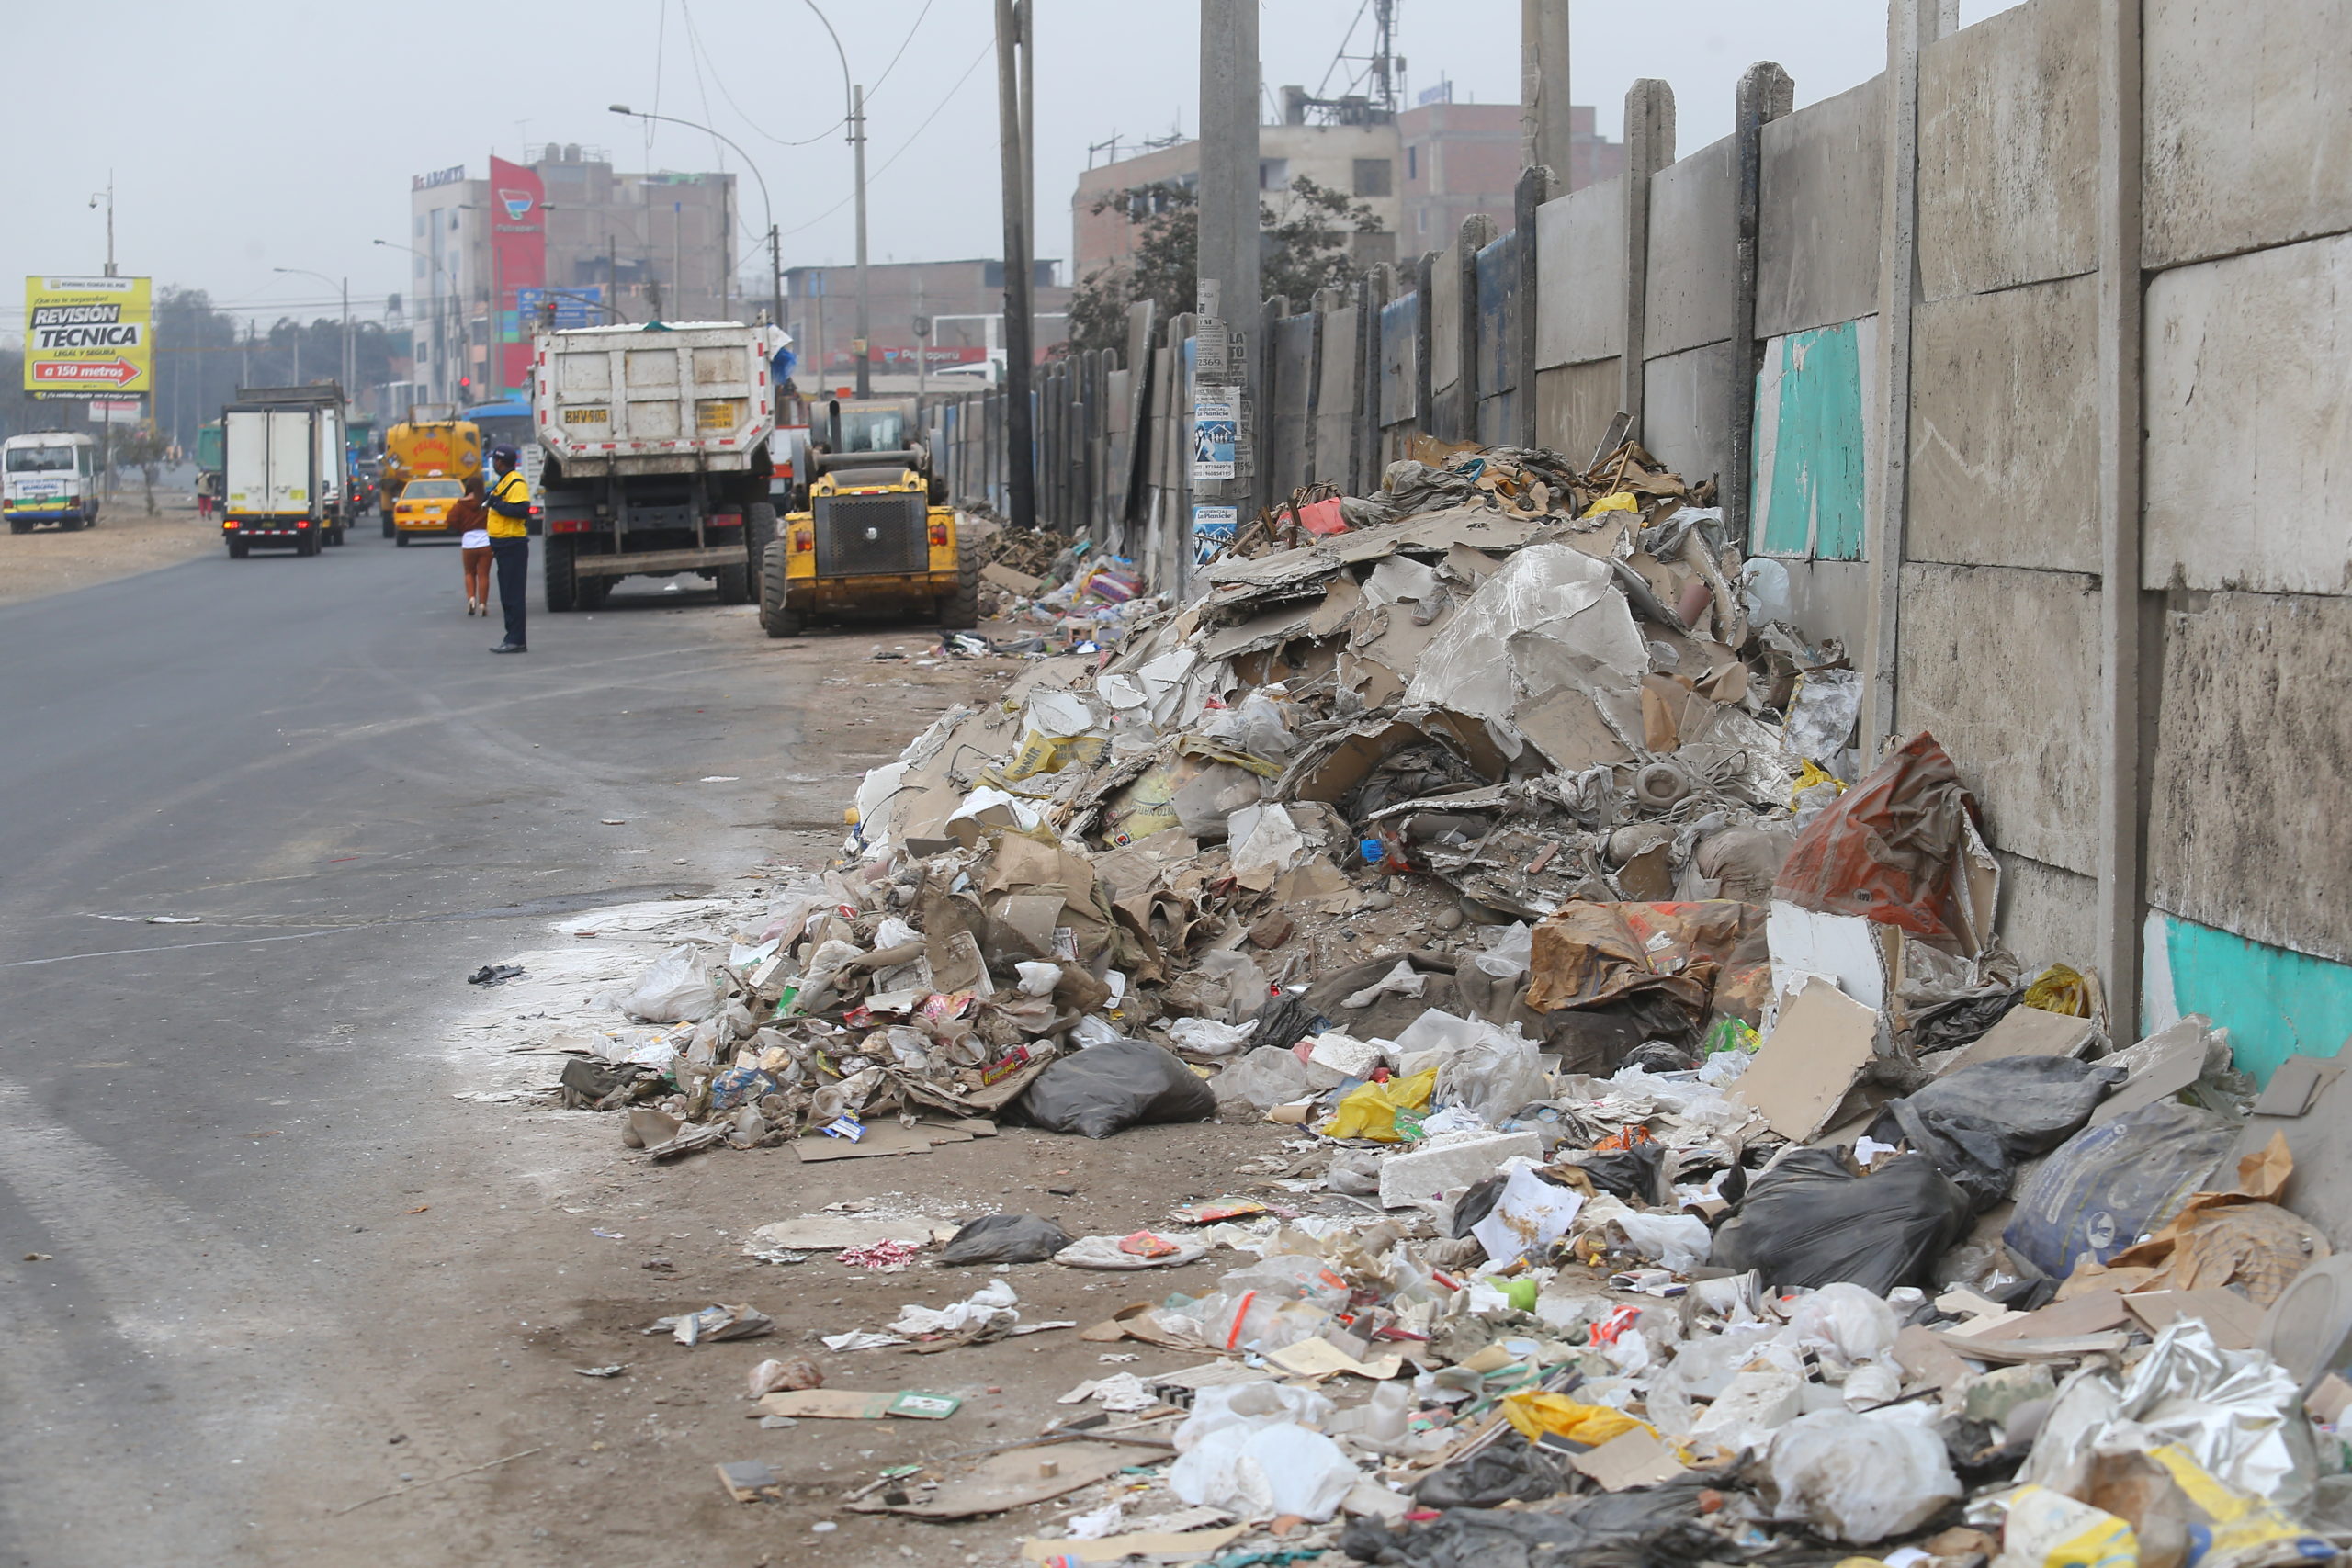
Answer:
(870, 532)
(432, 443)
(655, 442)
(284, 473)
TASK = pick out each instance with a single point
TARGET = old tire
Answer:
(562, 581)
(960, 611)
(775, 618)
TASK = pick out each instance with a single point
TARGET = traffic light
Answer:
(465, 383)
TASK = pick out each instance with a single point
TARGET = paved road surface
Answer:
(212, 1131)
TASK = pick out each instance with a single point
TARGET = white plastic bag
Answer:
(676, 990)
(1255, 1472)
(1496, 1074)
(1859, 1478)
(1846, 1323)
(1508, 951)
(1206, 1037)
(1680, 1242)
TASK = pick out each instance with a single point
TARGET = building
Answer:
(1420, 170)
(961, 301)
(562, 232)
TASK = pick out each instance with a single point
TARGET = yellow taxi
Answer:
(424, 509)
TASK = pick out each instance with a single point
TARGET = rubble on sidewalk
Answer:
(1673, 1163)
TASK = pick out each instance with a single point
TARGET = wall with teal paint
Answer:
(1811, 441)
(2274, 1002)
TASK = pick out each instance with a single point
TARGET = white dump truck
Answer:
(655, 441)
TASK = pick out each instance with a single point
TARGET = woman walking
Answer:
(471, 514)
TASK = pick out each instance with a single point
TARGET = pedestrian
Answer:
(204, 497)
(469, 514)
(510, 541)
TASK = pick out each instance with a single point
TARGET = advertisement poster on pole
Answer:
(1217, 431)
(1212, 529)
(88, 337)
(518, 259)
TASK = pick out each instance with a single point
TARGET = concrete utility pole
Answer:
(1545, 133)
(865, 318)
(1229, 288)
(106, 195)
(1011, 66)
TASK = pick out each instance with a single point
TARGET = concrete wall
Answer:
(1574, 404)
(1337, 405)
(1825, 168)
(1692, 218)
(1686, 410)
(1291, 389)
(1580, 260)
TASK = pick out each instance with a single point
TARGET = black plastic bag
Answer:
(1977, 1123)
(1510, 1470)
(1477, 1201)
(1635, 1174)
(1809, 1221)
(1005, 1239)
(1115, 1085)
(1655, 1526)
(1961, 1020)
(1283, 1021)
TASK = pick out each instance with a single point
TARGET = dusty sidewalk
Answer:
(125, 541)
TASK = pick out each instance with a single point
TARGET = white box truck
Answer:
(656, 443)
(284, 469)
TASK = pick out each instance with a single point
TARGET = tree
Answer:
(1304, 247)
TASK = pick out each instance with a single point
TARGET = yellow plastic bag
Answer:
(1623, 501)
(1534, 1412)
(2060, 990)
(2051, 1529)
(2242, 1527)
(1811, 774)
(1369, 1111)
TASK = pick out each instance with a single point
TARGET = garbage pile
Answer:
(1075, 597)
(1682, 1168)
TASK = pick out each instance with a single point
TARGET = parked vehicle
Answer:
(871, 534)
(48, 476)
(283, 468)
(656, 442)
(431, 443)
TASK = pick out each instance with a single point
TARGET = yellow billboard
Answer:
(88, 337)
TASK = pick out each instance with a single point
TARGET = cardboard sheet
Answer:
(1820, 1046)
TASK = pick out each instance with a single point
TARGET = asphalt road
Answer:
(208, 1131)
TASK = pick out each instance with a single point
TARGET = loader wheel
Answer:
(960, 611)
(562, 582)
(776, 619)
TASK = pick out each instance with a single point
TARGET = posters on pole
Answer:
(88, 337)
(518, 259)
(1212, 529)
(1217, 431)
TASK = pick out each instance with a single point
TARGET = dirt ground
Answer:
(125, 541)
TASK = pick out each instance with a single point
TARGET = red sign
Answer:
(518, 259)
(84, 372)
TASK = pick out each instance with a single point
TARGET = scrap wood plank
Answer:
(1014, 1480)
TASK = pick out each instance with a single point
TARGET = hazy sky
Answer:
(262, 133)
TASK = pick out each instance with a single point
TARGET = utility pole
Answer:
(106, 195)
(1545, 131)
(1229, 290)
(1011, 63)
(857, 139)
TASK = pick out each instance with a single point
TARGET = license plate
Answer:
(586, 416)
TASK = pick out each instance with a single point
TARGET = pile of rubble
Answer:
(1678, 1165)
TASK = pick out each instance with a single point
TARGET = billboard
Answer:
(88, 337)
(519, 260)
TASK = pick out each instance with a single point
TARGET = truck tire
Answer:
(400, 541)
(759, 527)
(562, 582)
(387, 526)
(307, 544)
(776, 619)
(594, 590)
(21, 525)
(734, 583)
(960, 611)
(239, 549)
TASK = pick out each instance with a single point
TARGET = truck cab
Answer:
(870, 534)
(48, 476)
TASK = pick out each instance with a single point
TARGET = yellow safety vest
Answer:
(514, 488)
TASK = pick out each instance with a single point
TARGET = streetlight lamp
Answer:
(854, 100)
(441, 314)
(775, 253)
(350, 369)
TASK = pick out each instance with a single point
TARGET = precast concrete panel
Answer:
(1400, 325)
(1337, 406)
(1692, 269)
(1445, 319)
(2247, 126)
(1574, 405)
(1824, 165)
(1293, 356)
(2009, 150)
(1581, 267)
(1686, 413)
(2248, 384)
(2046, 914)
(2004, 429)
(2002, 666)
(2246, 827)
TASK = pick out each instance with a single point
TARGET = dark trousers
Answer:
(513, 558)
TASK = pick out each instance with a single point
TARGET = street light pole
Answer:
(776, 264)
(106, 195)
(442, 302)
(350, 369)
(854, 100)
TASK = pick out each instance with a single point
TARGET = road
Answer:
(223, 1320)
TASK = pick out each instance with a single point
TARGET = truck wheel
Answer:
(759, 527)
(387, 526)
(594, 590)
(400, 541)
(562, 582)
(306, 545)
(734, 583)
(239, 549)
(776, 619)
(21, 525)
(960, 611)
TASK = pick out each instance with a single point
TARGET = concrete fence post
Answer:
(1477, 232)
(1535, 187)
(2122, 346)
(1911, 26)
(1649, 147)
(1374, 291)
(1424, 335)
(1766, 94)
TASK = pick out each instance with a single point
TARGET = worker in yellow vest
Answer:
(510, 541)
